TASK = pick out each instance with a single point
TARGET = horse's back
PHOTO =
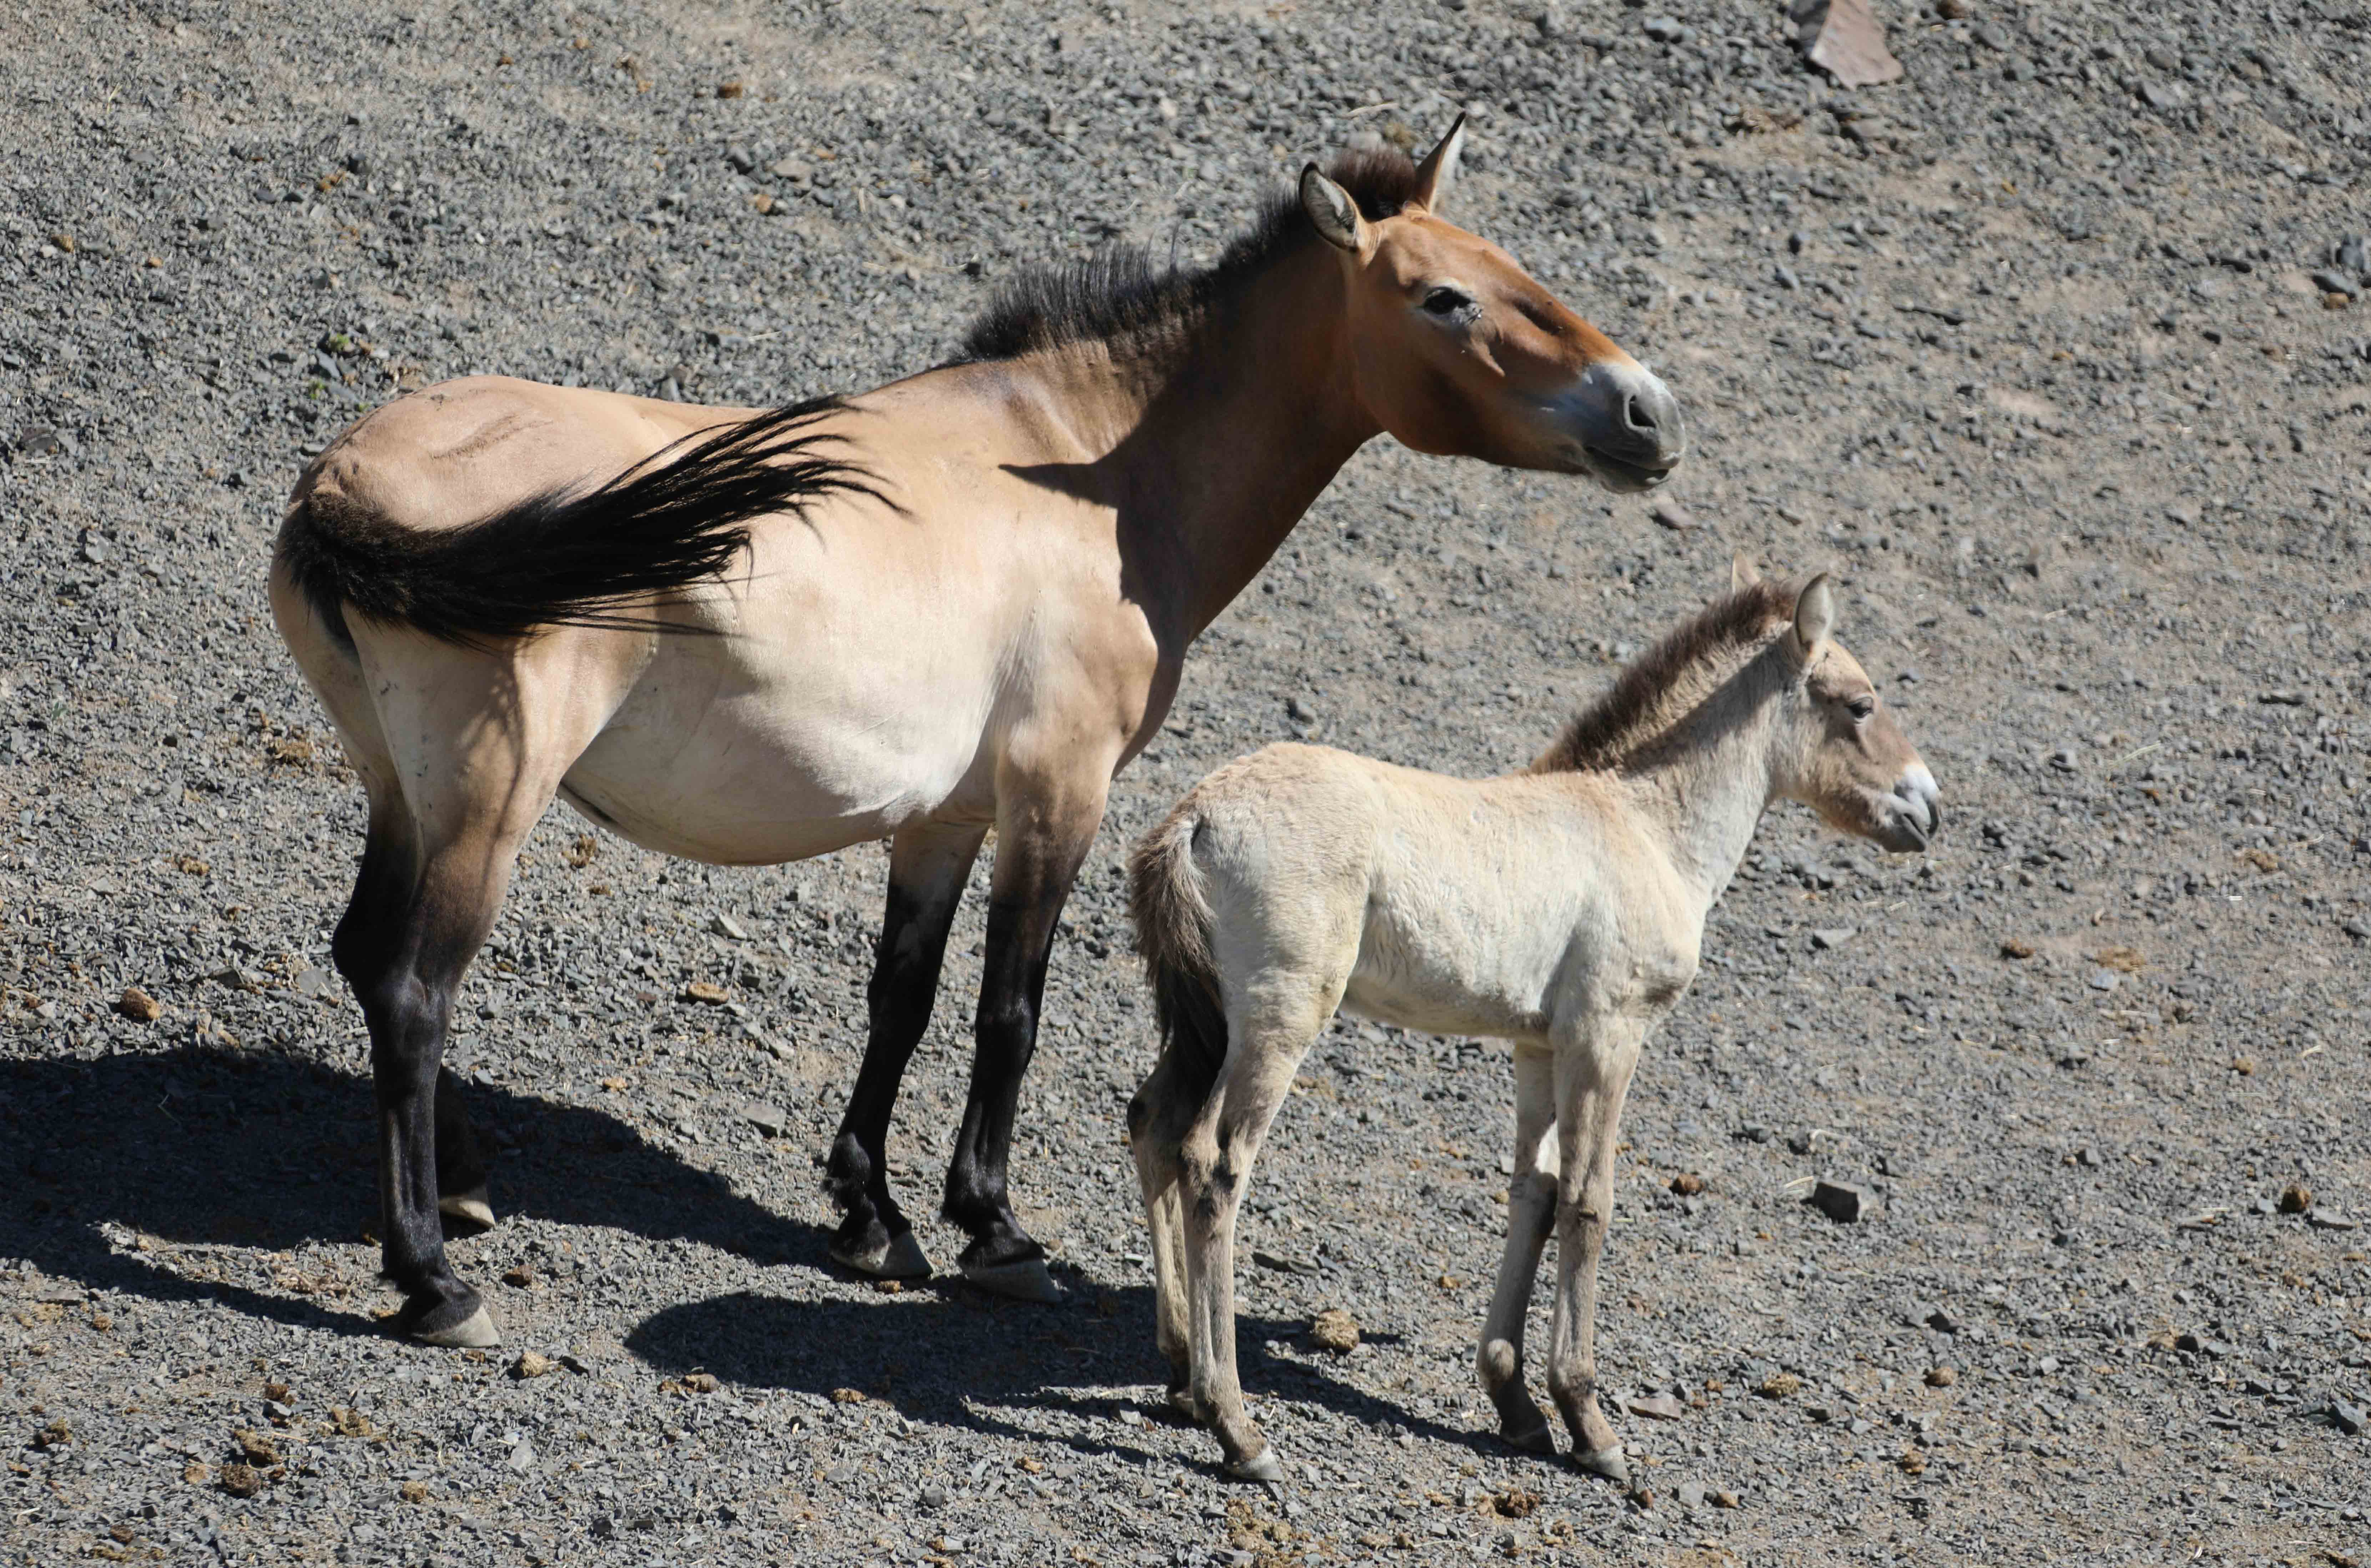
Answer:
(462, 450)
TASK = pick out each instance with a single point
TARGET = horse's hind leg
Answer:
(928, 866)
(478, 748)
(1531, 1216)
(1158, 1118)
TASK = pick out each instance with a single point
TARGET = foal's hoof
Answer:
(449, 1327)
(1611, 1463)
(898, 1257)
(1025, 1280)
(471, 1206)
(1263, 1466)
(1533, 1439)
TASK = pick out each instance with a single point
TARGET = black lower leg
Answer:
(1020, 941)
(406, 1021)
(925, 884)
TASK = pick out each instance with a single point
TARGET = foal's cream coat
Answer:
(1560, 909)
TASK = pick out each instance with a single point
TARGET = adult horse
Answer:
(957, 602)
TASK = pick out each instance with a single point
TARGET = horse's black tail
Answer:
(1172, 929)
(571, 558)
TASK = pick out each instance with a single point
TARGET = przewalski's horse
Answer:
(1560, 908)
(956, 602)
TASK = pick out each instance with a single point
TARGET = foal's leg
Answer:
(1531, 1214)
(1043, 828)
(1593, 1074)
(1266, 1039)
(1158, 1119)
(928, 866)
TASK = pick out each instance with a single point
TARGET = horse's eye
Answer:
(1446, 302)
(1862, 707)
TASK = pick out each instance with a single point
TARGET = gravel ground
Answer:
(2049, 349)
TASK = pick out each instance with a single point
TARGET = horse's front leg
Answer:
(1043, 829)
(1593, 1074)
(1531, 1216)
(928, 866)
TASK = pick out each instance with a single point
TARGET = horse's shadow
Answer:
(274, 1152)
(950, 1356)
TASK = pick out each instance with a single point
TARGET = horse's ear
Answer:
(1815, 616)
(1741, 574)
(1332, 210)
(1438, 170)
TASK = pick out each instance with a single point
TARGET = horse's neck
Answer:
(1708, 782)
(1218, 452)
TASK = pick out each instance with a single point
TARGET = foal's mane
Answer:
(1670, 679)
(1117, 294)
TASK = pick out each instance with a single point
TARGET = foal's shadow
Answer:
(954, 1357)
(263, 1150)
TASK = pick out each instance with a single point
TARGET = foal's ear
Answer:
(1741, 574)
(1815, 616)
(1438, 170)
(1332, 210)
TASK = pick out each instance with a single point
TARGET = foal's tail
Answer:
(1172, 929)
(563, 559)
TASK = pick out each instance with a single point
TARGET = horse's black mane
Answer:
(1119, 294)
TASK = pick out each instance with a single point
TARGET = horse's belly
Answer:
(766, 777)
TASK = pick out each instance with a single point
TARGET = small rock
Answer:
(1829, 938)
(1941, 1376)
(1839, 1201)
(1690, 1494)
(2354, 253)
(2016, 947)
(702, 1383)
(532, 1364)
(139, 1006)
(1725, 1500)
(771, 1120)
(2331, 280)
(1843, 38)
(1780, 1385)
(2327, 1219)
(1334, 1330)
(705, 991)
(522, 1456)
(2295, 1198)
(1784, 276)
(1992, 38)
(518, 1276)
(725, 925)
(1671, 515)
(1657, 1407)
(1954, 10)
(934, 1496)
(2347, 1418)
(1299, 711)
(241, 1480)
(2103, 979)
(1665, 29)
(2163, 94)
(741, 160)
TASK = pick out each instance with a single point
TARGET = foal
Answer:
(956, 602)
(1560, 908)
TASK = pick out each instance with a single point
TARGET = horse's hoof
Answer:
(1535, 1440)
(1027, 1280)
(1183, 1404)
(471, 1206)
(1611, 1463)
(900, 1257)
(476, 1331)
(1263, 1466)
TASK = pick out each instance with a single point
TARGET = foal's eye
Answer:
(1861, 707)
(1446, 302)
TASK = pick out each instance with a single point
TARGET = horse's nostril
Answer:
(1634, 414)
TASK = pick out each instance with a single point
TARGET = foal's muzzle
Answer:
(1916, 811)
